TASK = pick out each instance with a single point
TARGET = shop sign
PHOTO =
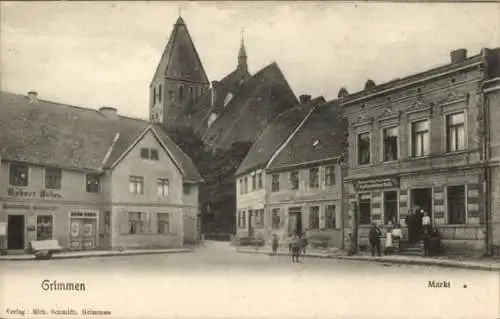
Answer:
(43, 194)
(377, 183)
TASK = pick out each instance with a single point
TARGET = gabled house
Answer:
(298, 159)
(92, 179)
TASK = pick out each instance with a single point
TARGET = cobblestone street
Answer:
(216, 281)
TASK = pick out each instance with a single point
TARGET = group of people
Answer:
(419, 229)
(296, 245)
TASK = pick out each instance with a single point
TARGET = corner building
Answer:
(419, 143)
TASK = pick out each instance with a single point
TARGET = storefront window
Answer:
(391, 144)
(365, 207)
(137, 222)
(364, 148)
(391, 207)
(43, 227)
(456, 205)
(314, 217)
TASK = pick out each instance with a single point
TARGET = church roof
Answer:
(180, 60)
(254, 105)
(71, 137)
(274, 136)
(320, 137)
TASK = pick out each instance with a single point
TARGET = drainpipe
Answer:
(342, 203)
(485, 156)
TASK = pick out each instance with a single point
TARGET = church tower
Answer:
(242, 58)
(179, 78)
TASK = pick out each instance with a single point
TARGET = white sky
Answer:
(104, 53)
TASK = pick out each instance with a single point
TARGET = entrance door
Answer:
(294, 222)
(15, 232)
(250, 222)
(421, 198)
(83, 233)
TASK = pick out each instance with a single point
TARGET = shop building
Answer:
(92, 179)
(418, 143)
(298, 157)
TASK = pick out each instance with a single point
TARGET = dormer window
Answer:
(228, 99)
(211, 119)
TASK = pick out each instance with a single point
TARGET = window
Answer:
(365, 207)
(136, 185)
(137, 222)
(241, 185)
(93, 183)
(254, 182)
(149, 153)
(258, 217)
(314, 177)
(294, 180)
(363, 148)
(390, 207)
(43, 227)
(390, 144)
(163, 223)
(455, 132)
(314, 217)
(245, 185)
(186, 188)
(275, 184)
(330, 175)
(181, 93)
(159, 93)
(259, 180)
(242, 219)
(456, 205)
(53, 177)
(420, 138)
(330, 217)
(162, 184)
(19, 174)
(275, 218)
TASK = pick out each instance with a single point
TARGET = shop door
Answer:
(15, 232)
(422, 199)
(83, 233)
(250, 223)
(294, 222)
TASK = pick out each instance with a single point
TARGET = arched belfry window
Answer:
(181, 92)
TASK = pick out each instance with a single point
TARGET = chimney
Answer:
(458, 55)
(109, 112)
(304, 98)
(369, 84)
(342, 93)
(214, 93)
(33, 97)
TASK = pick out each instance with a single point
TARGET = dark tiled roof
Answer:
(321, 137)
(275, 135)
(180, 60)
(49, 133)
(255, 104)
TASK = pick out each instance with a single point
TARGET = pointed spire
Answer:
(242, 55)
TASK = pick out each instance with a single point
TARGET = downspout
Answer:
(485, 155)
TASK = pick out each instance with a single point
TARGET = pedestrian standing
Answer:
(295, 244)
(374, 237)
(427, 241)
(275, 244)
(304, 244)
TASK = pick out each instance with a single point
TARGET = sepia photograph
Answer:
(249, 159)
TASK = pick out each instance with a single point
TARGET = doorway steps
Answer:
(412, 250)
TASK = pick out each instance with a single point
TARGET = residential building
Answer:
(300, 154)
(418, 143)
(92, 179)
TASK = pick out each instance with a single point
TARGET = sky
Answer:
(95, 54)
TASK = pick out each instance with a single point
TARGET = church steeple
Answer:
(242, 55)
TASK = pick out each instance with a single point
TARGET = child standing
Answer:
(275, 244)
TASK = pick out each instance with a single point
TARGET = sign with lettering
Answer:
(21, 192)
(377, 183)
